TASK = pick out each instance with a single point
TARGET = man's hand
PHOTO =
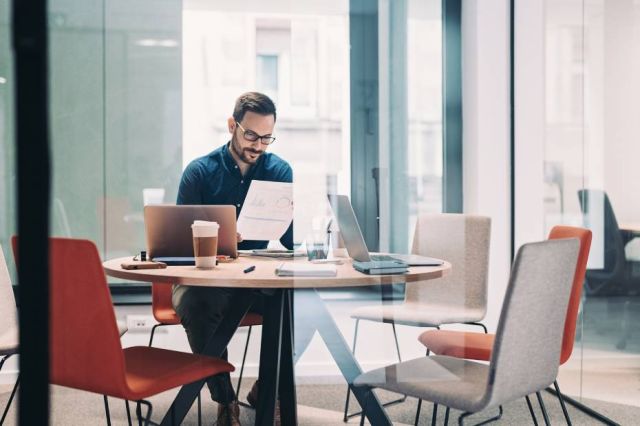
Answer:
(239, 237)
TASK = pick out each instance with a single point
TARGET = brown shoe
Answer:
(252, 396)
(252, 399)
(228, 414)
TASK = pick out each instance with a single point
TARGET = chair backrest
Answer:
(161, 294)
(584, 236)
(84, 343)
(596, 208)
(463, 240)
(526, 352)
(8, 310)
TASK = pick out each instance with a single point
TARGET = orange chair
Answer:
(85, 349)
(163, 312)
(479, 346)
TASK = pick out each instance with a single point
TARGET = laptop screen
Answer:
(349, 228)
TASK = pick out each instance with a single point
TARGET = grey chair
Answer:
(460, 297)
(8, 324)
(526, 352)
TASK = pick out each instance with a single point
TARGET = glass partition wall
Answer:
(585, 161)
(591, 179)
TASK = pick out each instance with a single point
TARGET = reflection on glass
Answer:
(591, 179)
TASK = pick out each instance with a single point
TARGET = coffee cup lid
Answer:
(204, 223)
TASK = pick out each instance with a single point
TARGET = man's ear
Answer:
(231, 122)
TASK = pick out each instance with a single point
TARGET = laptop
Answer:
(354, 242)
(168, 231)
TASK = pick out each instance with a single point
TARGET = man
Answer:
(224, 177)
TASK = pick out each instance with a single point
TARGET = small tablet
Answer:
(176, 261)
(137, 264)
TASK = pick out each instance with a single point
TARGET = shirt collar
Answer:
(231, 164)
(227, 157)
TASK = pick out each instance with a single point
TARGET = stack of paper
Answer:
(297, 269)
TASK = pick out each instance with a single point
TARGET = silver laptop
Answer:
(354, 242)
(168, 229)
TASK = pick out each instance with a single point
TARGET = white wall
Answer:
(485, 47)
(529, 120)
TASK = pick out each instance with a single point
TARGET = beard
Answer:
(246, 155)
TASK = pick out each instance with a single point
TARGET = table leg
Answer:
(312, 308)
(270, 348)
(239, 306)
(287, 388)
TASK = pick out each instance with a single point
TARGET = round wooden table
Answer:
(276, 371)
(231, 274)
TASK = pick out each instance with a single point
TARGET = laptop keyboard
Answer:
(382, 258)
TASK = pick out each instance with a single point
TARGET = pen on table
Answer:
(249, 269)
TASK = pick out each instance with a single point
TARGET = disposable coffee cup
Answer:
(205, 243)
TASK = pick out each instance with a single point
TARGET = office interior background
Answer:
(138, 90)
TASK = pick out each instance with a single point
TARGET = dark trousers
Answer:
(202, 309)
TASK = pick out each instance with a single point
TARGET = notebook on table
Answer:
(298, 269)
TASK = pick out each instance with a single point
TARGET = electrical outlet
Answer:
(140, 323)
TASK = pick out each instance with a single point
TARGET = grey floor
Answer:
(318, 405)
(600, 366)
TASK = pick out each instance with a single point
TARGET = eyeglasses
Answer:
(252, 136)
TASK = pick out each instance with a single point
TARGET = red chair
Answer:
(479, 346)
(85, 349)
(163, 312)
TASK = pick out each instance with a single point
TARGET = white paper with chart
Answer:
(267, 211)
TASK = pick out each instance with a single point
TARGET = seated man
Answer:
(223, 177)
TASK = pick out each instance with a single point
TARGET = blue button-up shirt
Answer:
(216, 179)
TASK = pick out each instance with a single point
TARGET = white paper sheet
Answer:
(267, 211)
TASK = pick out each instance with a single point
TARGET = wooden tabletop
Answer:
(264, 276)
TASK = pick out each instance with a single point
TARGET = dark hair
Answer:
(254, 102)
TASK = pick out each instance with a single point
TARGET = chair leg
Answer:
(126, 404)
(544, 410)
(244, 357)
(345, 417)
(13, 394)
(434, 415)
(106, 409)
(492, 419)
(446, 416)
(4, 359)
(533, 415)
(564, 408)
(147, 418)
(395, 338)
(153, 331)
(585, 409)
(199, 410)
(418, 412)
(479, 324)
